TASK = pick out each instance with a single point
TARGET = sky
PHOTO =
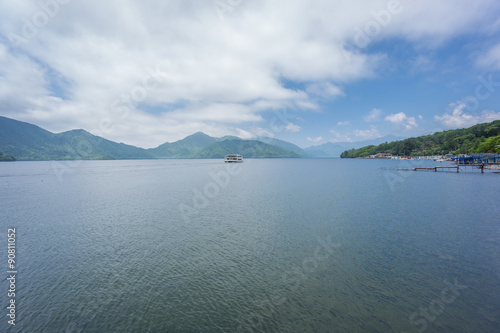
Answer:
(308, 72)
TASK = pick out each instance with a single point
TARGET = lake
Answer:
(271, 245)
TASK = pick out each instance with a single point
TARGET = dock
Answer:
(456, 167)
(477, 159)
(480, 161)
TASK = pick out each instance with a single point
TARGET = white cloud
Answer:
(459, 119)
(217, 112)
(324, 90)
(293, 128)
(241, 133)
(306, 105)
(372, 133)
(259, 132)
(252, 133)
(440, 23)
(396, 118)
(374, 115)
(357, 134)
(491, 59)
(315, 140)
(22, 81)
(216, 75)
(339, 137)
(402, 120)
(343, 123)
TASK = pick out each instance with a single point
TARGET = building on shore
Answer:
(381, 155)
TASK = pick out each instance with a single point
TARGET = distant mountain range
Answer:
(28, 142)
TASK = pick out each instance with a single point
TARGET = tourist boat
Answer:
(233, 158)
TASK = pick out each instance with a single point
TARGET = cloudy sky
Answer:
(309, 72)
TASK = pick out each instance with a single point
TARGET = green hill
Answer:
(481, 138)
(19, 139)
(183, 148)
(246, 148)
(27, 142)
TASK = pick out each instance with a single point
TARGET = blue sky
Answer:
(145, 73)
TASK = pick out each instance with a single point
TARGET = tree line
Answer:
(5, 157)
(481, 138)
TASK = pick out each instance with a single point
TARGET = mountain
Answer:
(283, 144)
(24, 141)
(183, 148)
(28, 142)
(16, 137)
(247, 148)
(330, 149)
(481, 138)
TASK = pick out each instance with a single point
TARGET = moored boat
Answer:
(233, 158)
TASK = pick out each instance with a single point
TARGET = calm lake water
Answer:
(274, 245)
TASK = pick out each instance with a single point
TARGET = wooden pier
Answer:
(456, 167)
